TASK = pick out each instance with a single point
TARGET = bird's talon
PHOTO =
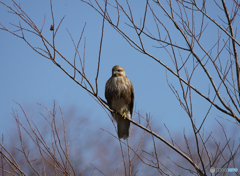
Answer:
(124, 115)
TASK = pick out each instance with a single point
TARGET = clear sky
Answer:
(28, 78)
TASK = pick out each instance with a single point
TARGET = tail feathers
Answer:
(123, 128)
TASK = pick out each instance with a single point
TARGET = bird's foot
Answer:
(124, 115)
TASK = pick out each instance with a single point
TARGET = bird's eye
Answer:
(119, 70)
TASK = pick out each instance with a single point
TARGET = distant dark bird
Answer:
(51, 28)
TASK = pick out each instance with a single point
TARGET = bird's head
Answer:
(118, 71)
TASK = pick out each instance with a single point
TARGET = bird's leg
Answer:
(124, 115)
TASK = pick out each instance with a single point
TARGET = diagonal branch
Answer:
(233, 45)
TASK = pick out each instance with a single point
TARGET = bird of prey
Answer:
(119, 94)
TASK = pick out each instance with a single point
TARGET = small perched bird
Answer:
(119, 94)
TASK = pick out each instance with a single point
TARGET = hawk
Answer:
(119, 94)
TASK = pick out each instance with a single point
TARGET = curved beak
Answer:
(114, 73)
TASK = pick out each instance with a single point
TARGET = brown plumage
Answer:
(119, 94)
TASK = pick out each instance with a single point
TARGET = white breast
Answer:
(116, 82)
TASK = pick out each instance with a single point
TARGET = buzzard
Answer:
(119, 94)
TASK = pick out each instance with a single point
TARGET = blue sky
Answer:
(28, 78)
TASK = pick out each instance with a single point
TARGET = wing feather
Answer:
(108, 94)
(132, 99)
